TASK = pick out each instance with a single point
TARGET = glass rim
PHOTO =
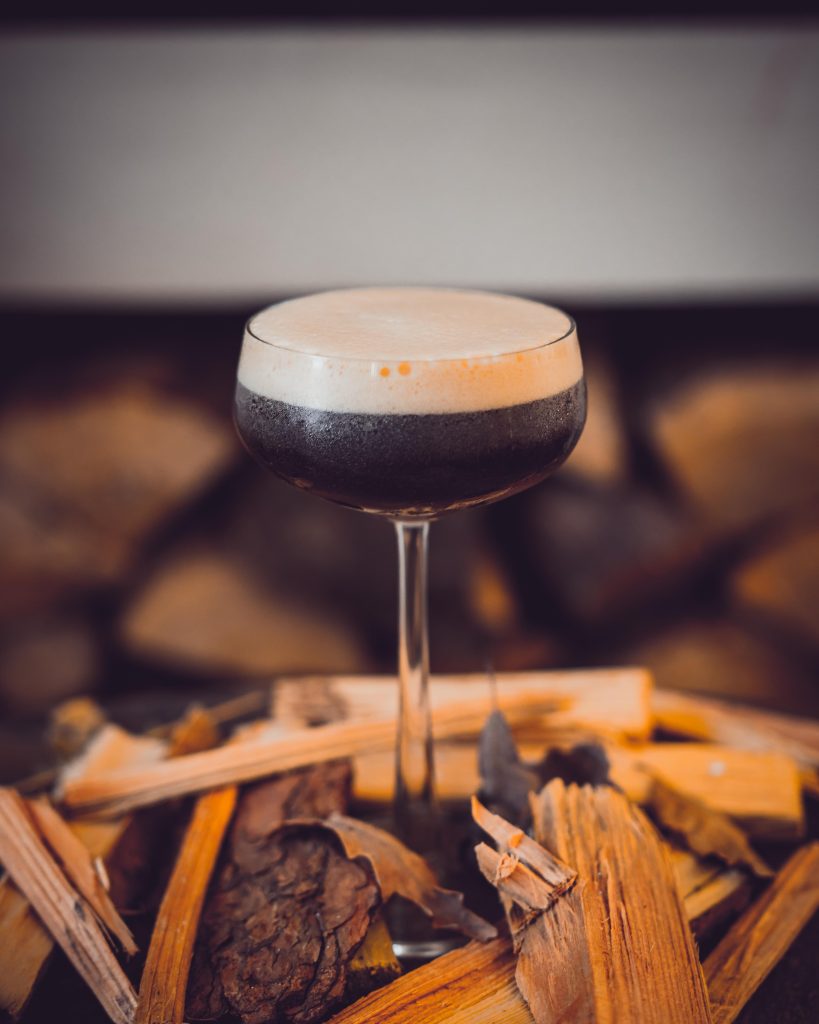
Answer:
(571, 329)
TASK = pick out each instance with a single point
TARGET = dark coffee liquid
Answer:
(412, 464)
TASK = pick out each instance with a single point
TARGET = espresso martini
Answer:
(410, 402)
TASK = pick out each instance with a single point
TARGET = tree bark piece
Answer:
(288, 910)
(617, 947)
(113, 792)
(735, 725)
(62, 909)
(400, 871)
(165, 977)
(759, 939)
(79, 868)
(608, 701)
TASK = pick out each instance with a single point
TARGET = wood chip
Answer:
(400, 871)
(760, 790)
(617, 946)
(165, 977)
(80, 869)
(62, 909)
(554, 873)
(706, 832)
(759, 939)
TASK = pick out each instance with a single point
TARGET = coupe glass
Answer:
(410, 403)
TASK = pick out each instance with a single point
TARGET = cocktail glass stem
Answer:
(414, 767)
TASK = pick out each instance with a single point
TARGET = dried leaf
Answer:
(505, 780)
(705, 831)
(400, 871)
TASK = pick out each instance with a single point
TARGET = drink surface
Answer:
(412, 465)
(410, 401)
(409, 350)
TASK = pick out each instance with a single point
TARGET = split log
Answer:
(610, 701)
(25, 947)
(288, 910)
(735, 725)
(759, 939)
(165, 977)
(62, 909)
(110, 793)
(617, 946)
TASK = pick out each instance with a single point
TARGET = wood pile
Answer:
(615, 829)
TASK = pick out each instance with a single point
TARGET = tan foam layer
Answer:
(409, 350)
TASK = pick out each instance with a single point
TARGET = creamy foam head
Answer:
(409, 350)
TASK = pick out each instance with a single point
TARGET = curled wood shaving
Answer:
(554, 873)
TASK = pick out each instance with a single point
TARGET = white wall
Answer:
(228, 165)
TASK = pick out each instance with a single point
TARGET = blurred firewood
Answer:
(735, 725)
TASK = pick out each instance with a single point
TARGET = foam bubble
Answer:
(409, 350)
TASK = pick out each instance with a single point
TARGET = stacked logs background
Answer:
(142, 549)
(143, 557)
